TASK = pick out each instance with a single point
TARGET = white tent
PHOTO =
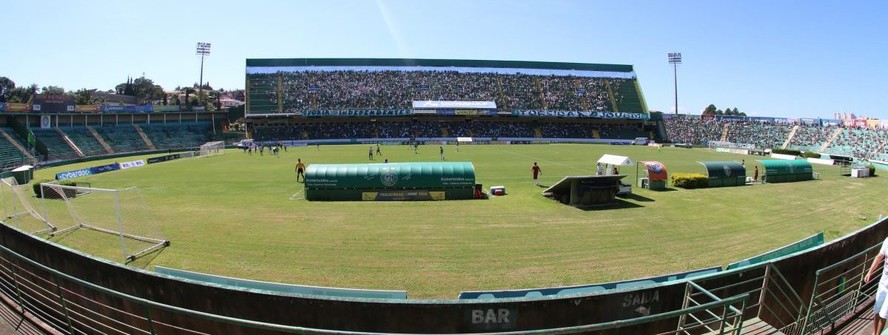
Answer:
(610, 161)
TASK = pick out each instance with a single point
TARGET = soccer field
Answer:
(244, 216)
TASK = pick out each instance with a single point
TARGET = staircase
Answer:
(832, 138)
(584, 99)
(661, 129)
(596, 134)
(610, 95)
(537, 132)
(539, 87)
(100, 140)
(644, 107)
(69, 142)
(501, 93)
(789, 138)
(17, 145)
(725, 130)
(880, 148)
(144, 137)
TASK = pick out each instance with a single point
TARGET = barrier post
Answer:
(63, 303)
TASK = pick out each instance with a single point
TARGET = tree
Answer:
(83, 96)
(188, 92)
(142, 88)
(6, 85)
(146, 91)
(22, 94)
(52, 90)
(125, 88)
(710, 110)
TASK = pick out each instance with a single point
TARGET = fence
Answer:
(758, 298)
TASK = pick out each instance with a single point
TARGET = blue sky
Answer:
(766, 58)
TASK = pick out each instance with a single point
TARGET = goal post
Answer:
(121, 213)
(21, 209)
(212, 149)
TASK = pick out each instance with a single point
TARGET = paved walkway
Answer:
(10, 319)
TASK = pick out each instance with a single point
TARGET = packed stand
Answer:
(693, 130)
(394, 90)
(759, 134)
(860, 142)
(567, 130)
(811, 137)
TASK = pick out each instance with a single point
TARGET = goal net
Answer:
(69, 213)
(212, 149)
(21, 209)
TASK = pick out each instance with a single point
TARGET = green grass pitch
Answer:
(243, 216)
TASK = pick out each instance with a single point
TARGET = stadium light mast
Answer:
(675, 59)
(203, 50)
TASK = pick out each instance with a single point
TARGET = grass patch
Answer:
(242, 216)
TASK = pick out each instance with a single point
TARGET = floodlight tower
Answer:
(675, 59)
(203, 50)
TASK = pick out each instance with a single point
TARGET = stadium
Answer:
(144, 220)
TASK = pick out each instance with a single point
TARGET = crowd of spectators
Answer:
(758, 134)
(811, 137)
(390, 89)
(863, 143)
(448, 128)
(693, 130)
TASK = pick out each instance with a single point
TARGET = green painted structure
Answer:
(805, 244)
(781, 171)
(278, 288)
(725, 173)
(390, 181)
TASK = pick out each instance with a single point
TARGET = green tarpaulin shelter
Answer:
(390, 181)
(725, 173)
(781, 171)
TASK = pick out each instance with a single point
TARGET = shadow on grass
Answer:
(143, 261)
(668, 189)
(59, 237)
(639, 197)
(618, 204)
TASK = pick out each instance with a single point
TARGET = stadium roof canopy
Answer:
(410, 62)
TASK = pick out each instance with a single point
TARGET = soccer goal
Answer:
(21, 209)
(121, 213)
(212, 149)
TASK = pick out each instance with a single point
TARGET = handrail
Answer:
(786, 283)
(149, 305)
(847, 260)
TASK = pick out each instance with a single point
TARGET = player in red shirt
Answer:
(536, 172)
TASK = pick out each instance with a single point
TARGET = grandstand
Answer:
(123, 138)
(296, 85)
(58, 147)
(10, 155)
(525, 94)
(85, 139)
(806, 288)
(824, 136)
(177, 135)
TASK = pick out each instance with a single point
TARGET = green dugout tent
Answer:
(390, 181)
(781, 171)
(725, 173)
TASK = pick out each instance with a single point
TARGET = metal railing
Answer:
(726, 319)
(840, 290)
(73, 306)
